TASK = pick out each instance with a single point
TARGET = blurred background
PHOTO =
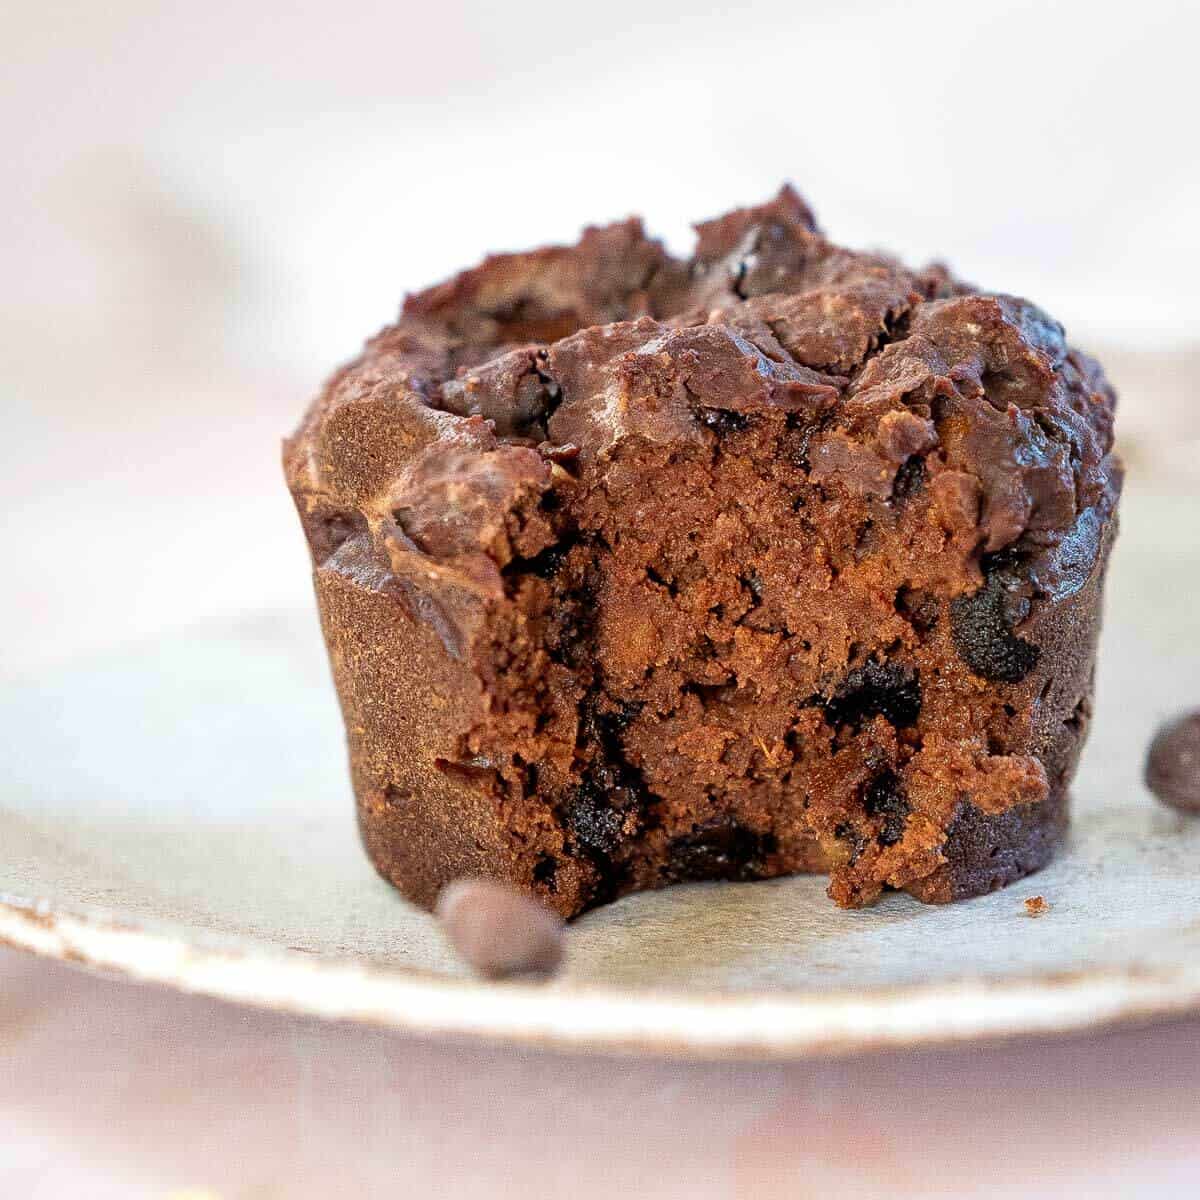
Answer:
(208, 206)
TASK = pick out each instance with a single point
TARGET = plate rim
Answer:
(587, 1018)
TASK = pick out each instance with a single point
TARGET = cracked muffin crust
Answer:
(782, 558)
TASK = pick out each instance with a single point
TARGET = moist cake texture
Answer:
(636, 570)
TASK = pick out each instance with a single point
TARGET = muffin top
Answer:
(495, 383)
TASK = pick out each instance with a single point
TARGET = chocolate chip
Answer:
(545, 564)
(603, 811)
(890, 690)
(800, 430)
(596, 812)
(721, 421)
(910, 478)
(499, 931)
(982, 626)
(593, 823)
(610, 723)
(511, 390)
(1173, 763)
(885, 799)
(724, 850)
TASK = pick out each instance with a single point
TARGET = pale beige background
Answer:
(205, 206)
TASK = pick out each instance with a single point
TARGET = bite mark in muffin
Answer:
(635, 570)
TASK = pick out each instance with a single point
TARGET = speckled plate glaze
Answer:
(180, 814)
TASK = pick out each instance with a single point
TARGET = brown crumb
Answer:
(1036, 906)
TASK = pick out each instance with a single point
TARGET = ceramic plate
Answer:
(180, 813)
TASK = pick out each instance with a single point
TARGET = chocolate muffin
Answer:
(781, 558)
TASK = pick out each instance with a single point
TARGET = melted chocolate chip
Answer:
(719, 851)
(741, 269)
(889, 690)
(722, 422)
(910, 478)
(600, 811)
(545, 565)
(885, 798)
(982, 626)
(801, 428)
(397, 796)
(614, 721)
(596, 811)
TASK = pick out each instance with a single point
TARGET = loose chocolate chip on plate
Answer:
(1173, 763)
(498, 931)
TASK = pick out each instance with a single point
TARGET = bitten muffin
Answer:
(782, 558)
